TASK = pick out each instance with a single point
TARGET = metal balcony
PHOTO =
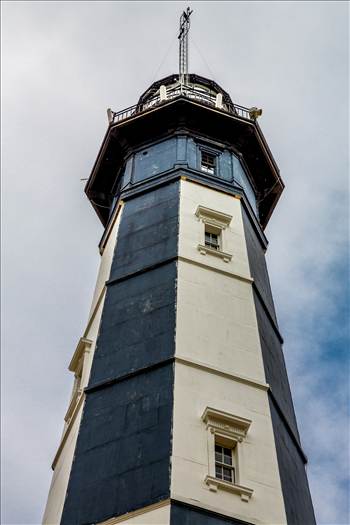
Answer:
(180, 90)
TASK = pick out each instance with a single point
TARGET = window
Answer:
(212, 240)
(214, 224)
(208, 162)
(224, 468)
(226, 435)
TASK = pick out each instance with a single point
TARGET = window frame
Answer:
(214, 222)
(206, 149)
(210, 231)
(231, 467)
(205, 167)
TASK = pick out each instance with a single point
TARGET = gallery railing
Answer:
(166, 94)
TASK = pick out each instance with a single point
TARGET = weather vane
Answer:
(183, 45)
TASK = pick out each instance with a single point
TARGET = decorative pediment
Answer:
(225, 423)
(76, 361)
(214, 218)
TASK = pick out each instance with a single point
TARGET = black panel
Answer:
(122, 457)
(291, 460)
(148, 230)
(138, 321)
(138, 324)
(257, 264)
(274, 365)
(295, 487)
(181, 514)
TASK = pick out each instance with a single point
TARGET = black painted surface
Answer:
(148, 232)
(122, 457)
(181, 514)
(257, 264)
(274, 365)
(138, 321)
(138, 324)
(295, 487)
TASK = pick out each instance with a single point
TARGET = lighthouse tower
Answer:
(181, 412)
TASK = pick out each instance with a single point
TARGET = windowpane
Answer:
(227, 474)
(224, 464)
(218, 472)
(212, 240)
(227, 456)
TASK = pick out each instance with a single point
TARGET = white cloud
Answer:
(63, 65)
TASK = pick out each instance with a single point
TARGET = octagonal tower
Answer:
(181, 411)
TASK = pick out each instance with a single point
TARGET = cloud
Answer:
(63, 64)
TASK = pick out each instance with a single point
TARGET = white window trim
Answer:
(76, 366)
(215, 218)
(234, 429)
(204, 250)
(219, 221)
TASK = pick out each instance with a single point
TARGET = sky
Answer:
(63, 65)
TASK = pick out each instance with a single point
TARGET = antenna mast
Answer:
(183, 45)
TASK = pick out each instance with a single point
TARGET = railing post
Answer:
(218, 101)
(162, 93)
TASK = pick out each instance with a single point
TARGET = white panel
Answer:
(159, 516)
(106, 260)
(60, 477)
(258, 469)
(216, 322)
(192, 230)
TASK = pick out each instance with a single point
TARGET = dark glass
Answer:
(211, 239)
(227, 474)
(227, 456)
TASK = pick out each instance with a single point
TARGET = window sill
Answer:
(214, 484)
(204, 250)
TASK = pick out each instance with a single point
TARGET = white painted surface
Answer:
(60, 477)
(216, 321)
(106, 260)
(159, 516)
(62, 469)
(192, 229)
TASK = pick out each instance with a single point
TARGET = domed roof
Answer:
(193, 80)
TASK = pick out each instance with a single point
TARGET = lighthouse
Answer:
(181, 411)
